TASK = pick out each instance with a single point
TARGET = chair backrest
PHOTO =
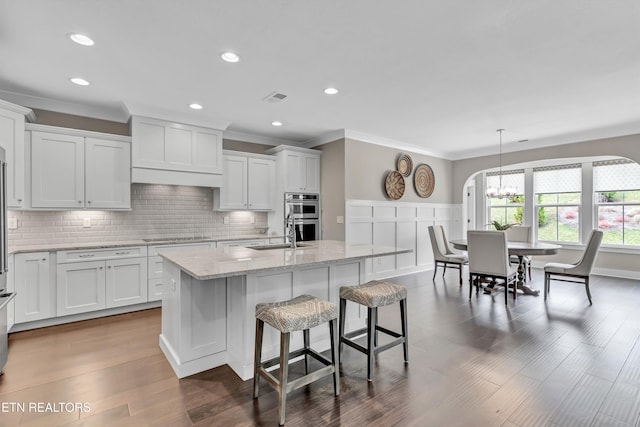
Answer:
(585, 265)
(488, 253)
(519, 233)
(438, 242)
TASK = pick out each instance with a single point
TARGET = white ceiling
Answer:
(436, 76)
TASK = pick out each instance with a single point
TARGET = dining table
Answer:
(520, 249)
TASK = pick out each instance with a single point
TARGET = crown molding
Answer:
(392, 143)
(19, 109)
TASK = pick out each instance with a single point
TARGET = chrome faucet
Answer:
(290, 226)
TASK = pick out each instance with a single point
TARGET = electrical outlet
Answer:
(252, 220)
(225, 220)
(86, 223)
(12, 223)
(340, 220)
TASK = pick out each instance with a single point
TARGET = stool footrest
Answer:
(297, 353)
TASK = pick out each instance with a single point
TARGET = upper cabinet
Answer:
(73, 171)
(299, 169)
(248, 182)
(173, 153)
(12, 120)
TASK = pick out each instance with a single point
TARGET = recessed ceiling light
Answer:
(331, 91)
(81, 39)
(195, 106)
(230, 57)
(276, 123)
(79, 81)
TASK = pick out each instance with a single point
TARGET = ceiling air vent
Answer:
(274, 97)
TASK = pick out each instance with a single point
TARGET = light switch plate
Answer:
(86, 223)
(340, 220)
(12, 223)
(252, 220)
(225, 220)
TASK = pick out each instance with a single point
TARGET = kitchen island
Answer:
(209, 298)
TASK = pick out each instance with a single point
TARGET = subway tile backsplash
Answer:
(157, 211)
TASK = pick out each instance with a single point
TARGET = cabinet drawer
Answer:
(243, 243)
(101, 254)
(155, 250)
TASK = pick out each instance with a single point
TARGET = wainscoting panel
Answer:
(402, 225)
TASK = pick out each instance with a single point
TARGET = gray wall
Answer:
(367, 165)
(624, 146)
(247, 147)
(53, 118)
(332, 183)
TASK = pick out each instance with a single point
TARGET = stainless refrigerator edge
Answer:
(5, 297)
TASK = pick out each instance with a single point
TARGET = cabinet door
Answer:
(57, 171)
(311, 174)
(294, 177)
(12, 140)
(81, 287)
(126, 282)
(261, 183)
(33, 287)
(233, 194)
(108, 174)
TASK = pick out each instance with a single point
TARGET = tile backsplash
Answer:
(157, 211)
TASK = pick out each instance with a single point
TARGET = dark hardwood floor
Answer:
(478, 363)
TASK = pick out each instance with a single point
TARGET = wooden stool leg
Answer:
(333, 325)
(305, 335)
(403, 320)
(284, 375)
(257, 356)
(372, 320)
(343, 312)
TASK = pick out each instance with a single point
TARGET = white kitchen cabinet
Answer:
(248, 183)
(80, 287)
(12, 120)
(73, 169)
(302, 172)
(298, 169)
(174, 153)
(107, 174)
(57, 171)
(89, 280)
(33, 286)
(126, 282)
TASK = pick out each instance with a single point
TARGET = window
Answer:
(506, 209)
(557, 202)
(616, 184)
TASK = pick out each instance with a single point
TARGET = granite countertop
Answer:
(14, 249)
(204, 264)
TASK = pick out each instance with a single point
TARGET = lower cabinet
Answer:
(33, 287)
(81, 287)
(116, 280)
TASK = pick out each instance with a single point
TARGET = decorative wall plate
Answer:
(423, 180)
(405, 165)
(394, 185)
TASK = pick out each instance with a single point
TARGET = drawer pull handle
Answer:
(122, 253)
(85, 256)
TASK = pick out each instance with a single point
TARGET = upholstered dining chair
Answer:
(489, 258)
(520, 233)
(442, 254)
(578, 272)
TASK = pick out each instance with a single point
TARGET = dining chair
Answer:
(578, 272)
(489, 258)
(442, 253)
(520, 233)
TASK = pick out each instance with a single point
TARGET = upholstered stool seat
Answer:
(374, 294)
(298, 314)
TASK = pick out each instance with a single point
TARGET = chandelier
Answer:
(501, 191)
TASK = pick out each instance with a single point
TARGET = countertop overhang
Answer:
(205, 264)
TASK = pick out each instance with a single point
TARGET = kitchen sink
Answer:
(276, 246)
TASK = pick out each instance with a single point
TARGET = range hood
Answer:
(174, 177)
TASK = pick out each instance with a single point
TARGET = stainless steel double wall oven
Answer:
(304, 209)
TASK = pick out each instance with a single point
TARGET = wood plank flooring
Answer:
(472, 363)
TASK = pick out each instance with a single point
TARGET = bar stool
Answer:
(298, 314)
(374, 294)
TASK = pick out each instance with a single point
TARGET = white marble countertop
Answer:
(49, 247)
(204, 264)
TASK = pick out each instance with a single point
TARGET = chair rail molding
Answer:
(401, 225)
